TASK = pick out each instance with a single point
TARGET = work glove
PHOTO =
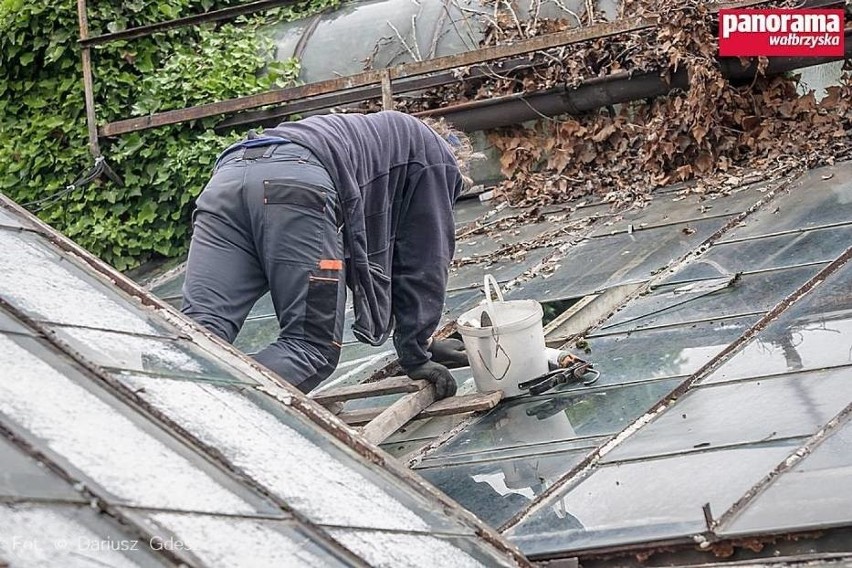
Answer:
(438, 375)
(449, 352)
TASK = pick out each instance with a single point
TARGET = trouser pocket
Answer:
(321, 314)
(294, 217)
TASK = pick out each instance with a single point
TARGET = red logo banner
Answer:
(781, 32)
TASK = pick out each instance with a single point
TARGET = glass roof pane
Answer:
(113, 447)
(490, 242)
(22, 477)
(596, 264)
(172, 287)
(503, 270)
(820, 245)
(9, 324)
(9, 219)
(531, 422)
(496, 490)
(815, 493)
(713, 416)
(256, 334)
(547, 448)
(722, 297)
(40, 536)
(657, 353)
(151, 355)
(645, 500)
(234, 541)
(384, 549)
(313, 476)
(467, 211)
(814, 332)
(812, 202)
(668, 209)
(51, 287)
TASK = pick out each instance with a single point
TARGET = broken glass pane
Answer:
(817, 246)
(50, 287)
(710, 417)
(815, 493)
(645, 500)
(148, 354)
(494, 491)
(669, 209)
(595, 264)
(706, 299)
(234, 541)
(813, 202)
(22, 477)
(656, 353)
(281, 454)
(113, 448)
(531, 422)
(401, 550)
(814, 332)
(37, 536)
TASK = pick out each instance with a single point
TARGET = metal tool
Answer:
(576, 370)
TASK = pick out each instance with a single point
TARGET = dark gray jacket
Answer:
(397, 181)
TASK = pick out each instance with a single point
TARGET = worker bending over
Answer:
(363, 200)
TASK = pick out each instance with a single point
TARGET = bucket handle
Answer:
(487, 283)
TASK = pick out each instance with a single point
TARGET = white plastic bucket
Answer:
(512, 349)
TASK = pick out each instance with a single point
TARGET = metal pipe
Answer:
(600, 92)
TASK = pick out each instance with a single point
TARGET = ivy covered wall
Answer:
(43, 140)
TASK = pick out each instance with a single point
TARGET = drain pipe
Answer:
(600, 92)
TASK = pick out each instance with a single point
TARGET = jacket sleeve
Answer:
(425, 243)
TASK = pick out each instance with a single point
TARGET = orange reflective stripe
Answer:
(331, 264)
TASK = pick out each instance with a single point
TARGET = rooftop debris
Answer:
(712, 133)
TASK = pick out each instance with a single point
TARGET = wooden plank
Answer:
(88, 87)
(361, 416)
(391, 385)
(387, 90)
(476, 402)
(399, 414)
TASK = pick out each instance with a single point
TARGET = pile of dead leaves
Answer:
(709, 132)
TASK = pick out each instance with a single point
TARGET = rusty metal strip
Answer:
(274, 387)
(839, 420)
(213, 16)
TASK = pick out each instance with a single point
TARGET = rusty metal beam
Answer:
(212, 16)
(374, 77)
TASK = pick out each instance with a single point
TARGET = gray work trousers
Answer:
(268, 220)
